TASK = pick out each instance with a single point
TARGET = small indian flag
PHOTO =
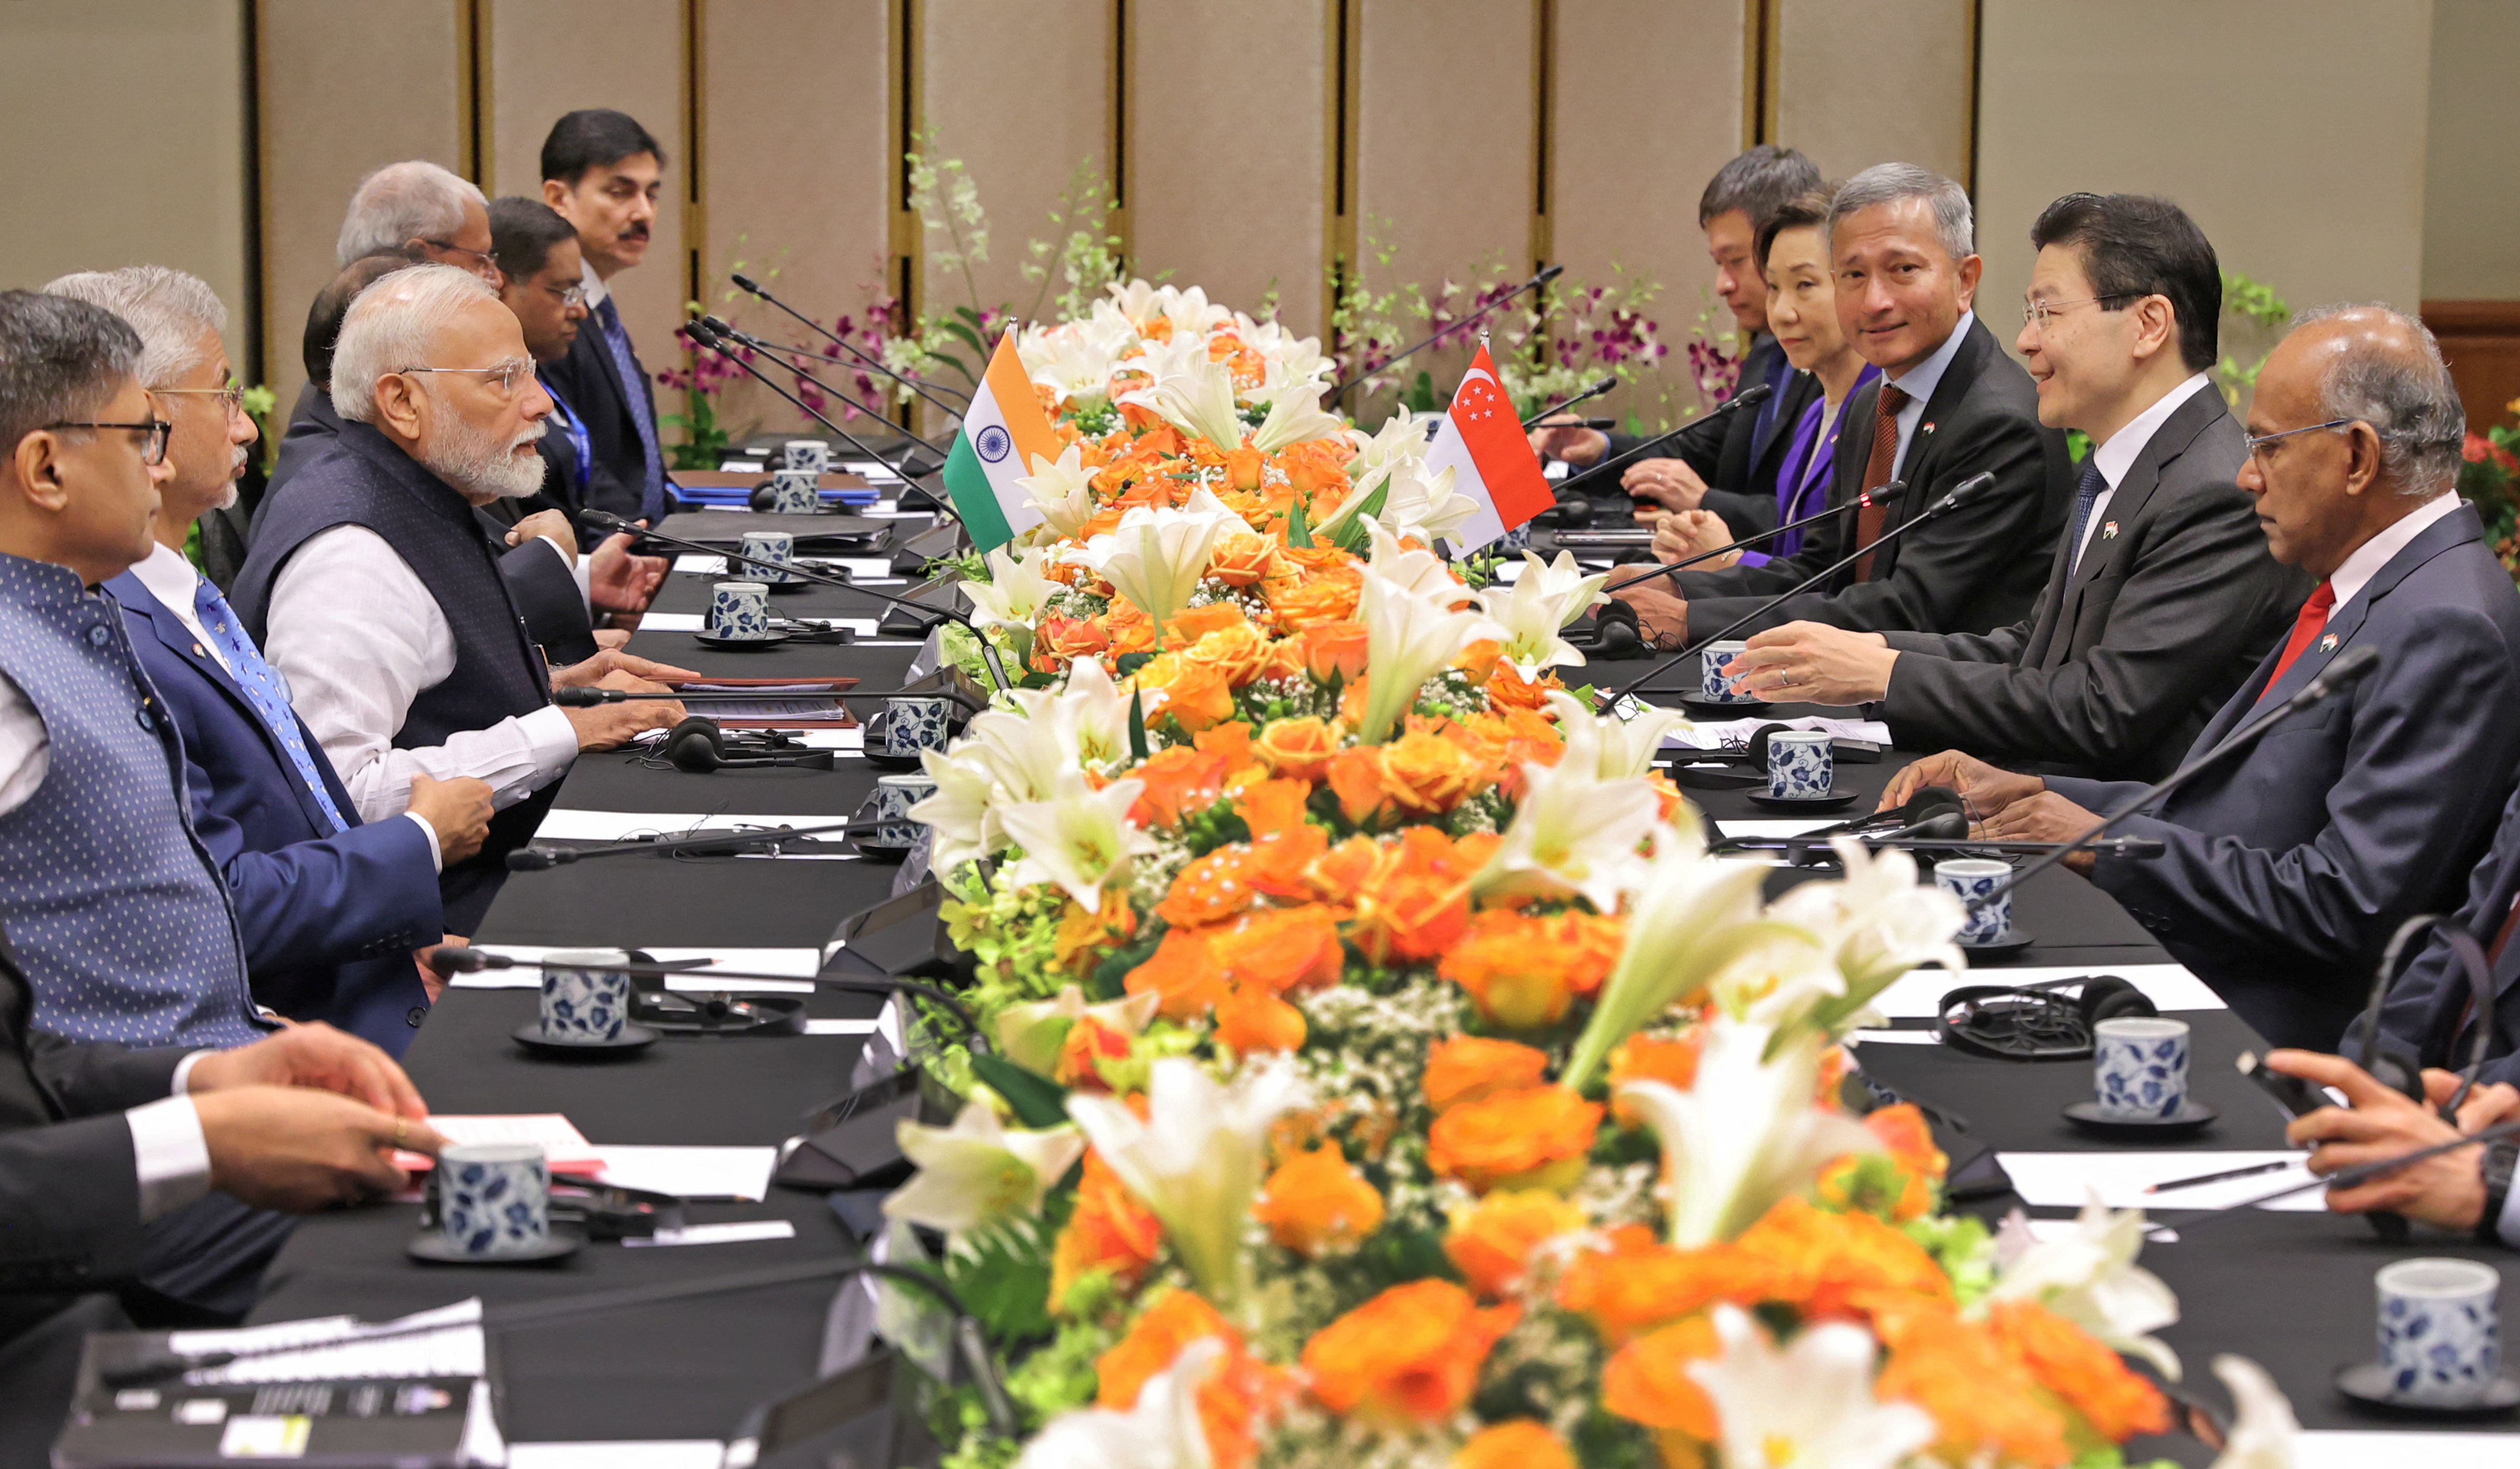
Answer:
(1002, 432)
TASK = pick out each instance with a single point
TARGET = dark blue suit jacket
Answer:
(329, 923)
(2289, 866)
(2427, 1005)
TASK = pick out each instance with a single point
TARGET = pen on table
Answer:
(2247, 1173)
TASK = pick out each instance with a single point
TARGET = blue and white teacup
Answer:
(1801, 764)
(889, 805)
(913, 722)
(739, 611)
(2140, 1066)
(809, 455)
(585, 1001)
(1969, 879)
(795, 492)
(775, 546)
(494, 1198)
(1713, 684)
(2441, 1330)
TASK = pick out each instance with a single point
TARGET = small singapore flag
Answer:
(1491, 460)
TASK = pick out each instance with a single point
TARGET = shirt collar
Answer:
(1920, 380)
(595, 291)
(2381, 549)
(2115, 457)
(170, 578)
(41, 583)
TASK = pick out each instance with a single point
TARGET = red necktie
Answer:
(2305, 630)
(1877, 473)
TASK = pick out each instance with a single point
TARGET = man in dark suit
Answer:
(2430, 1015)
(96, 1140)
(330, 909)
(1726, 465)
(2289, 866)
(603, 172)
(1950, 406)
(2161, 597)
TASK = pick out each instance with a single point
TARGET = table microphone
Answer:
(703, 330)
(1960, 494)
(747, 283)
(532, 858)
(587, 696)
(1883, 495)
(605, 520)
(719, 325)
(2359, 1174)
(1562, 404)
(2343, 671)
(1932, 841)
(1748, 397)
(457, 958)
(1542, 277)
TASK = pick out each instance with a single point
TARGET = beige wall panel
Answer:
(1021, 91)
(1444, 144)
(1224, 174)
(333, 110)
(1859, 82)
(548, 56)
(796, 98)
(2471, 211)
(128, 146)
(1648, 107)
(2302, 160)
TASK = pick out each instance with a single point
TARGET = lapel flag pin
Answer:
(2108, 530)
(2327, 644)
(1929, 427)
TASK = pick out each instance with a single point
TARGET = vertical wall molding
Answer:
(1544, 124)
(1346, 22)
(695, 101)
(258, 161)
(1121, 83)
(902, 37)
(473, 95)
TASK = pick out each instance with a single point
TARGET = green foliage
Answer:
(1961, 1245)
(1350, 536)
(1299, 533)
(1003, 1274)
(1087, 258)
(1137, 715)
(2257, 306)
(703, 441)
(1035, 1100)
(263, 406)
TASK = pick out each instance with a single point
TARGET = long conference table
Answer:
(2292, 1290)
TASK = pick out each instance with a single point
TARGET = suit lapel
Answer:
(2457, 527)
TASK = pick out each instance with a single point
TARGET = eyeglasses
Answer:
(503, 376)
(2037, 312)
(570, 295)
(231, 398)
(489, 259)
(2258, 444)
(153, 449)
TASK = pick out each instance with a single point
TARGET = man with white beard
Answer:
(373, 589)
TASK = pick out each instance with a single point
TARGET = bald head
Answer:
(2380, 367)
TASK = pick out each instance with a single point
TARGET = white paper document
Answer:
(340, 1347)
(839, 1027)
(802, 963)
(2170, 987)
(1735, 734)
(737, 1232)
(863, 568)
(690, 1172)
(693, 622)
(2064, 1180)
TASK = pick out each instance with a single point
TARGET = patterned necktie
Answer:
(1876, 474)
(2304, 628)
(263, 690)
(2087, 493)
(652, 494)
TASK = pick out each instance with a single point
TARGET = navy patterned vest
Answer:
(117, 911)
(360, 478)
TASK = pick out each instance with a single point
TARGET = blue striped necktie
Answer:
(2086, 496)
(263, 690)
(652, 494)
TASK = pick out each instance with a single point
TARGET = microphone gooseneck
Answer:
(1542, 277)
(1869, 497)
(703, 330)
(747, 339)
(535, 858)
(1748, 397)
(1607, 382)
(746, 283)
(455, 958)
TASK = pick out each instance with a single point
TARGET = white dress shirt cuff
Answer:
(436, 855)
(183, 1082)
(2508, 1226)
(552, 740)
(169, 1152)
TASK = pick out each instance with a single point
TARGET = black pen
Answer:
(2246, 1173)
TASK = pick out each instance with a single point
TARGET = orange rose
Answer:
(1334, 649)
(1283, 949)
(1185, 972)
(1521, 1444)
(1272, 807)
(1356, 778)
(1128, 630)
(1984, 1403)
(1340, 871)
(1284, 863)
(1415, 905)
(1197, 698)
(1639, 1283)
(1181, 781)
(1297, 749)
(1830, 1264)
(1317, 466)
(1250, 1018)
(1903, 1179)
(1195, 623)
(1536, 1138)
(1508, 690)
(1065, 638)
(1241, 560)
(1089, 1043)
(1236, 654)
(1647, 1381)
(1524, 971)
(1426, 773)
(1646, 1058)
(1323, 597)
(1209, 889)
(1109, 1230)
(1491, 1241)
(2094, 1381)
(1466, 1068)
(1239, 1390)
(1242, 467)
(1411, 1354)
(1479, 659)
(1316, 1202)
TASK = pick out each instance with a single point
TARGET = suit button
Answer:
(417, 1013)
(98, 635)
(145, 721)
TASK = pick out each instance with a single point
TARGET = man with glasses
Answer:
(374, 590)
(330, 908)
(2289, 866)
(419, 210)
(2160, 598)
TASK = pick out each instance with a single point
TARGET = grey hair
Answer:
(391, 326)
(401, 202)
(169, 309)
(60, 360)
(2409, 402)
(1892, 183)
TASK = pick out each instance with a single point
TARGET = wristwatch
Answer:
(2500, 1160)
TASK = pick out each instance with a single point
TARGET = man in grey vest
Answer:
(372, 588)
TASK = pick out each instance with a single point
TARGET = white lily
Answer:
(1197, 400)
(1746, 1134)
(1692, 915)
(1564, 580)
(1573, 833)
(1409, 637)
(978, 1172)
(1190, 311)
(1156, 554)
(1198, 1161)
(1808, 1405)
(1295, 416)
(1293, 362)
(1015, 593)
(1081, 842)
(1061, 489)
(1613, 749)
(1424, 506)
(1031, 1034)
(1531, 618)
(959, 811)
(1068, 362)
(1400, 441)
(2089, 1277)
(1096, 717)
(2263, 1426)
(1027, 759)
(1878, 922)
(1162, 1432)
(1134, 298)
(1417, 570)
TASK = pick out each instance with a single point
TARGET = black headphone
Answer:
(2036, 1021)
(698, 745)
(1614, 633)
(2395, 1063)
